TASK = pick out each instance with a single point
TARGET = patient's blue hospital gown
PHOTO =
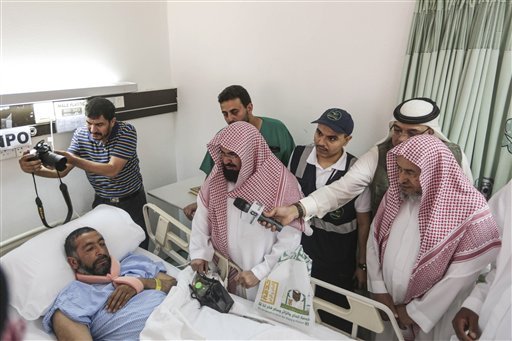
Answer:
(85, 303)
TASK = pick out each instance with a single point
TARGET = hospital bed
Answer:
(170, 236)
(37, 270)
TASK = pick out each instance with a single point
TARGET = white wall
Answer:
(47, 44)
(296, 59)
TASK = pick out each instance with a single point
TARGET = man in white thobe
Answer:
(244, 168)
(432, 235)
(486, 314)
(412, 117)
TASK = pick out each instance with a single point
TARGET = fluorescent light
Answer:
(54, 95)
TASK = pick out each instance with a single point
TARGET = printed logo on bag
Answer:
(286, 294)
(295, 301)
(269, 293)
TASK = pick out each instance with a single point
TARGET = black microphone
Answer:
(244, 206)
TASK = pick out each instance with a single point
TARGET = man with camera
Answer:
(107, 151)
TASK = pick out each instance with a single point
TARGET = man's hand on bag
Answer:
(199, 265)
(247, 279)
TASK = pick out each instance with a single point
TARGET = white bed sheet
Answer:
(180, 317)
(34, 329)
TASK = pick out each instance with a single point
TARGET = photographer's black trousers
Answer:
(133, 205)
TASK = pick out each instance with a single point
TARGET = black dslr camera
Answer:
(43, 152)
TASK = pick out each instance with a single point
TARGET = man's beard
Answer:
(96, 269)
(101, 136)
(230, 174)
(98, 136)
(410, 196)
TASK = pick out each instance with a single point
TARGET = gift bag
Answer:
(286, 294)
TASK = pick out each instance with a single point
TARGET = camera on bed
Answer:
(43, 152)
(211, 293)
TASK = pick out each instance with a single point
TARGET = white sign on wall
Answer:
(69, 115)
(15, 137)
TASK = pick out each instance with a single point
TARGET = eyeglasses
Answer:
(229, 155)
(397, 131)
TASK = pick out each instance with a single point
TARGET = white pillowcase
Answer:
(38, 270)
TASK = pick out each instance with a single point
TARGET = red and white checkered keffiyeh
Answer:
(262, 178)
(454, 219)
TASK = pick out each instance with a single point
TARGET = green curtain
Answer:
(459, 54)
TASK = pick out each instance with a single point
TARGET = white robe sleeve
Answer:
(200, 242)
(477, 297)
(363, 203)
(376, 283)
(427, 310)
(338, 193)
(287, 240)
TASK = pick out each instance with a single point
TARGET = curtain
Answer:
(459, 55)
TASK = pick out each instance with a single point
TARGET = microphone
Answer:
(255, 211)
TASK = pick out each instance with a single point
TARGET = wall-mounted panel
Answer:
(128, 106)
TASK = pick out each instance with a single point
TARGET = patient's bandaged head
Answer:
(211, 293)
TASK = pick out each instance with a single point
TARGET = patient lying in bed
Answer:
(38, 273)
(108, 299)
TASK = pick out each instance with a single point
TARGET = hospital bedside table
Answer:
(177, 194)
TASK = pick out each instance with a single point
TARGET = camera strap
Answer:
(40, 209)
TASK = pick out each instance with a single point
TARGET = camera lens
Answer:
(61, 164)
(54, 160)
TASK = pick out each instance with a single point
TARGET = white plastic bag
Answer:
(286, 294)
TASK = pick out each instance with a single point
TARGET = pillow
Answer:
(38, 270)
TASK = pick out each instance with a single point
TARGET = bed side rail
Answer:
(169, 235)
(363, 311)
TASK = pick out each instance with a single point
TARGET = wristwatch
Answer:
(362, 266)
(300, 209)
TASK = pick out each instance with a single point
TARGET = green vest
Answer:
(380, 182)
